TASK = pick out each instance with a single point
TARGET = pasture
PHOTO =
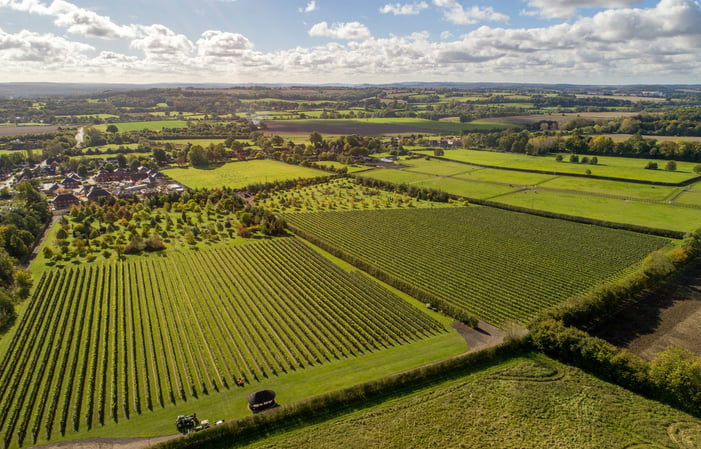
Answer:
(615, 167)
(241, 174)
(101, 344)
(155, 125)
(499, 266)
(530, 401)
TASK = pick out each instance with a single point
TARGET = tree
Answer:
(697, 168)
(160, 156)
(671, 166)
(112, 129)
(651, 166)
(198, 156)
(316, 139)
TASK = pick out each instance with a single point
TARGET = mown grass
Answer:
(662, 216)
(409, 123)
(531, 402)
(616, 167)
(240, 174)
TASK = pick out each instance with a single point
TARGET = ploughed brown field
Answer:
(557, 117)
(667, 316)
(20, 130)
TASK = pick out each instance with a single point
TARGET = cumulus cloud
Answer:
(568, 8)
(399, 9)
(454, 12)
(74, 19)
(346, 31)
(311, 6)
(220, 44)
(160, 42)
(27, 46)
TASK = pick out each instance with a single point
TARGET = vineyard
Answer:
(105, 342)
(497, 265)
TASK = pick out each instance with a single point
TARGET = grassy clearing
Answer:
(504, 177)
(240, 174)
(690, 196)
(155, 125)
(662, 216)
(608, 166)
(529, 402)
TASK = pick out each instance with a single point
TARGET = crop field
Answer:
(528, 402)
(377, 126)
(656, 215)
(155, 125)
(103, 343)
(617, 167)
(497, 265)
(240, 174)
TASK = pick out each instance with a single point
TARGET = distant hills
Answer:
(29, 90)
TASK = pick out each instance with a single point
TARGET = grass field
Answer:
(525, 403)
(240, 174)
(497, 265)
(138, 336)
(616, 167)
(155, 125)
(662, 216)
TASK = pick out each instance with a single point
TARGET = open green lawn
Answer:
(608, 166)
(691, 195)
(612, 188)
(240, 174)
(155, 125)
(529, 402)
(663, 216)
(505, 177)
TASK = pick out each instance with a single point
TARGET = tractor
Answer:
(187, 424)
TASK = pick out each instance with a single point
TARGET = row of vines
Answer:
(495, 264)
(103, 342)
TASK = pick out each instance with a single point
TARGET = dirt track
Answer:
(110, 443)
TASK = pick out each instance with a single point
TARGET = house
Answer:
(70, 183)
(65, 201)
(96, 193)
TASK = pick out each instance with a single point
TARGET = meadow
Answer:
(615, 167)
(155, 125)
(497, 265)
(142, 335)
(529, 402)
(240, 174)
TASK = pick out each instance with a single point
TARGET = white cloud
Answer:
(568, 8)
(40, 48)
(74, 19)
(454, 12)
(311, 7)
(347, 31)
(446, 35)
(220, 44)
(160, 42)
(399, 9)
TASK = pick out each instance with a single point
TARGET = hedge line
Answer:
(440, 196)
(321, 408)
(422, 295)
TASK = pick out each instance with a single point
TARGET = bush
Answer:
(697, 168)
(651, 166)
(7, 311)
(558, 158)
(594, 160)
(671, 166)
(574, 158)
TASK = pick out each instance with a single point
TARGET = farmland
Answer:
(493, 263)
(240, 174)
(138, 336)
(528, 402)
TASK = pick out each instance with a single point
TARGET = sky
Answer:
(351, 41)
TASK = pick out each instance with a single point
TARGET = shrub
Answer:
(670, 166)
(651, 166)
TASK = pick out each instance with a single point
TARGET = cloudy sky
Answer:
(344, 41)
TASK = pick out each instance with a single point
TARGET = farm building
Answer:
(96, 193)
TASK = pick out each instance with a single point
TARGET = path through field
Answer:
(110, 443)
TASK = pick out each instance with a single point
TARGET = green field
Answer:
(101, 344)
(663, 216)
(155, 125)
(409, 124)
(497, 265)
(616, 167)
(524, 403)
(240, 174)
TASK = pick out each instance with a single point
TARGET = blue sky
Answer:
(362, 41)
